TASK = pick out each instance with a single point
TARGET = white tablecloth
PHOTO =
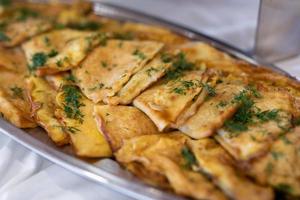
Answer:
(25, 175)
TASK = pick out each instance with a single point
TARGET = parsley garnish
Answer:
(72, 104)
(4, 37)
(17, 92)
(38, 60)
(139, 54)
(151, 70)
(189, 157)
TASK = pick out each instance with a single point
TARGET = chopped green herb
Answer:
(247, 111)
(283, 187)
(59, 26)
(104, 64)
(4, 37)
(89, 25)
(71, 78)
(124, 36)
(181, 91)
(179, 65)
(235, 127)
(254, 91)
(17, 92)
(222, 104)
(267, 115)
(243, 117)
(25, 13)
(296, 121)
(47, 41)
(101, 85)
(165, 57)
(3, 25)
(5, 3)
(103, 39)
(52, 53)
(219, 81)
(185, 86)
(72, 129)
(72, 104)
(189, 157)
(59, 63)
(151, 70)
(269, 168)
(285, 140)
(276, 155)
(38, 60)
(210, 90)
(139, 54)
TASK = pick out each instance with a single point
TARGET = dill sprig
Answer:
(179, 65)
(139, 54)
(72, 104)
(4, 37)
(248, 113)
(189, 157)
(17, 92)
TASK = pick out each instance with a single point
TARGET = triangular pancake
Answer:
(210, 116)
(13, 59)
(17, 32)
(214, 161)
(280, 167)
(104, 72)
(165, 101)
(75, 112)
(165, 154)
(59, 50)
(256, 140)
(15, 105)
(42, 100)
(140, 81)
(118, 123)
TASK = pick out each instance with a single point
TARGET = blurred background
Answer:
(233, 21)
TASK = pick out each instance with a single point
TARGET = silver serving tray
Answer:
(106, 171)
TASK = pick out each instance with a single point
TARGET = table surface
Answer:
(25, 175)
